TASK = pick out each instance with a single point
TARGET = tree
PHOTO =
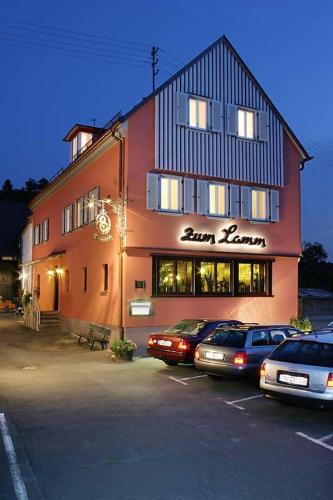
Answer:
(313, 253)
(7, 186)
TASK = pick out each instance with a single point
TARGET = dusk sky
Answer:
(51, 79)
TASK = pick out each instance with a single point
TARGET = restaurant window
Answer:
(174, 277)
(259, 204)
(79, 212)
(85, 279)
(217, 199)
(37, 234)
(105, 278)
(198, 113)
(252, 278)
(170, 193)
(214, 277)
(245, 124)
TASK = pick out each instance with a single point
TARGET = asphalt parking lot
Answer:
(84, 427)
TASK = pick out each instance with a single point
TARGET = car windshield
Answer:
(227, 338)
(187, 327)
(304, 352)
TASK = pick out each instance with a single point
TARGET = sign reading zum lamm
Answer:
(229, 236)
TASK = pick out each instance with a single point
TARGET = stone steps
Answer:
(50, 322)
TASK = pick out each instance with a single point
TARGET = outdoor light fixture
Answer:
(50, 272)
(58, 271)
(140, 308)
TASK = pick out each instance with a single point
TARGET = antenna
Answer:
(154, 62)
(94, 121)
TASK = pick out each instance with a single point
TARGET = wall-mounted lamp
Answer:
(50, 272)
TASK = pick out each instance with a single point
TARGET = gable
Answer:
(222, 78)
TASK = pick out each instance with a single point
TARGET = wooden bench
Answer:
(96, 334)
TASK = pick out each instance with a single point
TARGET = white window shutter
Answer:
(63, 221)
(263, 126)
(182, 111)
(275, 205)
(245, 202)
(234, 201)
(231, 119)
(216, 116)
(152, 195)
(202, 193)
(86, 209)
(188, 199)
(71, 217)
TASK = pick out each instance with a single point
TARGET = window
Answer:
(245, 124)
(105, 283)
(79, 212)
(68, 219)
(260, 337)
(227, 338)
(217, 199)
(36, 235)
(85, 278)
(252, 278)
(92, 209)
(67, 280)
(174, 277)
(80, 143)
(259, 205)
(45, 230)
(198, 113)
(170, 194)
(304, 352)
(214, 277)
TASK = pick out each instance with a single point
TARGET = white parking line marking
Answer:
(326, 438)
(232, 404)
(316, 441)
(196, 376)
(19, 486)
(247, 399)
(178, 380)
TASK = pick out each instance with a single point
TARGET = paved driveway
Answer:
(84, 427)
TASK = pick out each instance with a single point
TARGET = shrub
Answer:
(121, 347)
(26, 299)
(303, 324)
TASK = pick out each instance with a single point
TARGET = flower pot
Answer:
(129, 355)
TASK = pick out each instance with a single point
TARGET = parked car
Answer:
(301, 370)
(241, 350)
(178, 343)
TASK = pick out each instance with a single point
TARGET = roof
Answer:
(314, 293)
(13, 219)
(79, 127)
(316, 336)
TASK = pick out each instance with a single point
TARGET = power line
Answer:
(69, 44)
(170, 55)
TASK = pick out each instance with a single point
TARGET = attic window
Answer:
(80, 143)
(198, 113)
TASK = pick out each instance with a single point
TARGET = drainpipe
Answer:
(121, 175)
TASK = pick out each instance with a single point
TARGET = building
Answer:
(26, 258)
(211, 172)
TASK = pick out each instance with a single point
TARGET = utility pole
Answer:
(154, 62)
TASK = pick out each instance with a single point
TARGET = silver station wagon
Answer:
(239, 350)
(301, 370)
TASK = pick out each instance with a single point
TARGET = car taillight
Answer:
(240, 358)
(151, 340)
(196, 354)
(329, 382)
(263, 370)
(183, 345)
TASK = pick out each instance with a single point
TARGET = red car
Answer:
(178, 343)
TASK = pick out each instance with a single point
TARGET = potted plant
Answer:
(123, 349)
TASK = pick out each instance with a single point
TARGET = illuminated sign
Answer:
(228, 237)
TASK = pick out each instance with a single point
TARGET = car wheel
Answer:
(214, 377)
(169, 362)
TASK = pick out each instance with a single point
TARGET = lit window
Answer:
(174, 276)
(214, 277)
(198, 113)
(245, 124)
(45, 230)
(170, 194)
(36, 235)
(252, 278)
(217, 204)
(259, 204)
(80, 143)
(92, 205)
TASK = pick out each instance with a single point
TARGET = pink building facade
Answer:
(211, 174)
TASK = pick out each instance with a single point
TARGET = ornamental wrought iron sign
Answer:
(103, 219)
(228, 237)
(103, 223)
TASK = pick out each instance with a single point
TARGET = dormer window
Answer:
(80, 143)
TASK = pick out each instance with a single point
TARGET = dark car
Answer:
(239, 350)
(178, 343)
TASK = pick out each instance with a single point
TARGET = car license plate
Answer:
(214, 355)
(292, 379)
(166, 343)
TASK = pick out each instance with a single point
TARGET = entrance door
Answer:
(56, 292)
